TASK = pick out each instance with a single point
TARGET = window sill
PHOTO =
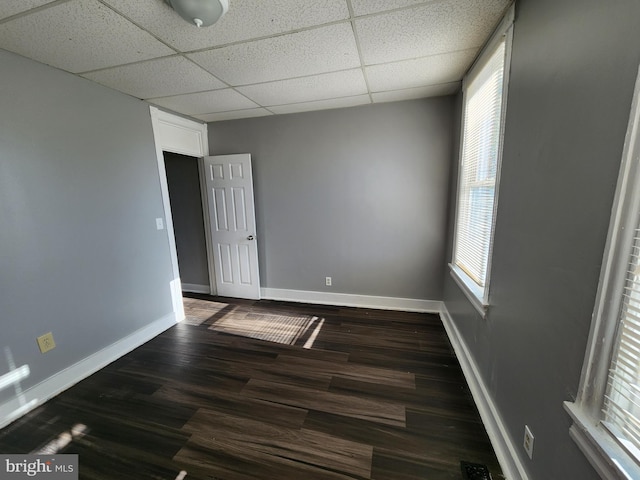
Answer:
(473, 293)
(608, 458)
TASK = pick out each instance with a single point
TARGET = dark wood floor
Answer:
(379, 396)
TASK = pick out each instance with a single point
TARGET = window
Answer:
(606, 414)
(484, 91)
(621, 404)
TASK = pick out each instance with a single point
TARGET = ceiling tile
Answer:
(236, 114)
(448, 67)
(322, 104)
(157, 78)
(298, 54)
(205, 102)
(245, 19)
(307, 89)
(413, 93)
(364, 7)
(428, 30)
(9, 8)
(79, 36)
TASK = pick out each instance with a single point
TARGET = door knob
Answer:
(250, 237)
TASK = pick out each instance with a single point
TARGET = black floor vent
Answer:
(474, 471)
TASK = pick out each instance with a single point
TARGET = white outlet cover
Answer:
(159, 223)
(528, 441)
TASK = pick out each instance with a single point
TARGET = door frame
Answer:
(176, 134)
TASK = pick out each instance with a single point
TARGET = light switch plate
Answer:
(159, 223)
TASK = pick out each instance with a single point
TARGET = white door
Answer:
(233, 225)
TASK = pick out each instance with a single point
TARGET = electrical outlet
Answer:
(528, 441)
(46, 343)
(327, 281)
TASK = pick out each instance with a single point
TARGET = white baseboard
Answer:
(510, 462)
(350, 300)
(57, 383)
(195, 288)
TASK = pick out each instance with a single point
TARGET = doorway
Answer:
(185, 196)
(175, 134)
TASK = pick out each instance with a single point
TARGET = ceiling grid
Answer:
(262, 58)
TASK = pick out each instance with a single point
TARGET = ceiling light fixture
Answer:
(201, 13)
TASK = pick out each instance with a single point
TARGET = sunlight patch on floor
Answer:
(312, 338)
(285, 329)
(61, 441)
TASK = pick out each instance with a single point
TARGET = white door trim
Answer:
(176, 134)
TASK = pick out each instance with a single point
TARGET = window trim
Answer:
(479, 297)
(605, 454)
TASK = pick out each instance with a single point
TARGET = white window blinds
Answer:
(621, 406)
(482, 125)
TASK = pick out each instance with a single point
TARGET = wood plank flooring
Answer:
(379, 396)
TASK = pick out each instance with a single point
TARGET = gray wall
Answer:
(358, 194)
(188, 221)
(80, 255)
(572, 74)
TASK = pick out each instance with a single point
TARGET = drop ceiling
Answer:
(264, 57)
